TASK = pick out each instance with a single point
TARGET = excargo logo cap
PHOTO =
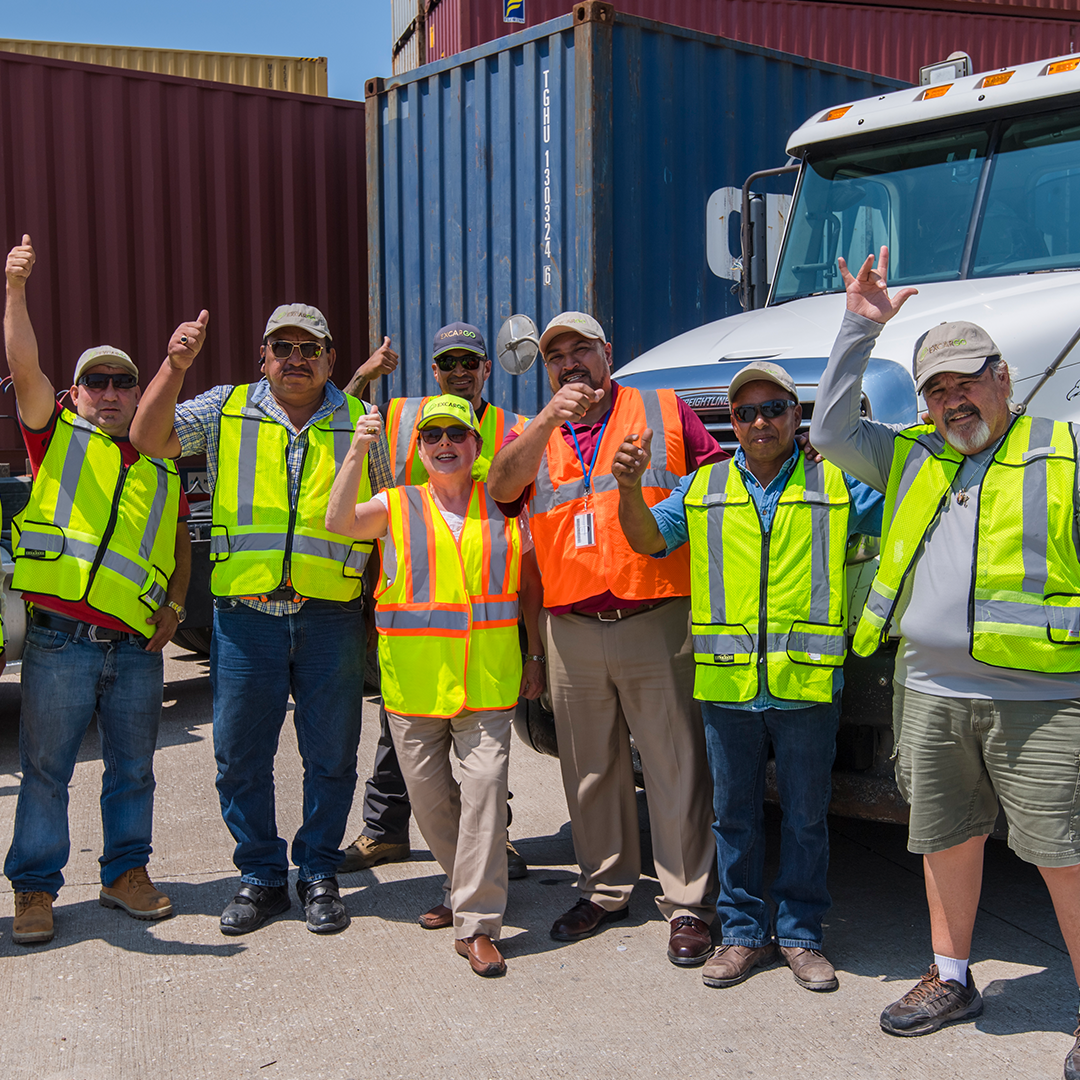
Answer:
(302, 316)
(961, 347)
(571, 322)
(448, 407)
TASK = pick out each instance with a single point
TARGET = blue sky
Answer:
(354, 35)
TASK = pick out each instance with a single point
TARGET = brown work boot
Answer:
(33, 918)
(730, 964)
(810, 968)
(364, 853)
(134, 892)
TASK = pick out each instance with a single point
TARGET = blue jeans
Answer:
(804, 743)
(63, 681)
(256, 661)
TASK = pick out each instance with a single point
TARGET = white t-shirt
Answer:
(456, 523)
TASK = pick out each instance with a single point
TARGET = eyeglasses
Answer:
(433, 435)
(98, 380)
(309, 350)
(448, 363)
(747, 414)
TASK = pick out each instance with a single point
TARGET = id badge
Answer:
(584, 529)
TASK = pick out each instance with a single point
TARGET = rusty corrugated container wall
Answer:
(149, 197)
(295, 74)
(889, 37)
(571, 167)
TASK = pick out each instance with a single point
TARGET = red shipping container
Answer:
(889, 37)
(149, 197)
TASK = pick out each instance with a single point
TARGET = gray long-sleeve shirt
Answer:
(932, 614)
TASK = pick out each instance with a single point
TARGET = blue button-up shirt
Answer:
(864, 516)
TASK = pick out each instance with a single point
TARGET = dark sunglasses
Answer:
(448, 363)
(309, 350)
(98, 380)
(433, 435)
(747, 414)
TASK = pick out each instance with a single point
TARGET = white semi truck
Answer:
(973, 182)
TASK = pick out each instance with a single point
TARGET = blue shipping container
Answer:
(570, 166)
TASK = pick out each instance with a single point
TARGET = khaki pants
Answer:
(610, 680)
(464, 824)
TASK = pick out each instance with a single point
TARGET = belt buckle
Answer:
(91, 633)
(615, 614)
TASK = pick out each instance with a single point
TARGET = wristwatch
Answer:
(181, 611)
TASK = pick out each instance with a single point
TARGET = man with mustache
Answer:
(980, 576)
(619, 657)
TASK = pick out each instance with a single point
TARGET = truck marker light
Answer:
(996, 80)
(1063, 65)
(834, 114)
(935, 91)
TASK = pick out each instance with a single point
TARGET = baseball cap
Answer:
(458, 335)
(103, 354)
(762, 371)
(302, 316)
(448, 407)
(571, 322)
(962, 347)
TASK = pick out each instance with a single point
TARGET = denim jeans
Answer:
(64, 680)
(804, 744)
(256, 661)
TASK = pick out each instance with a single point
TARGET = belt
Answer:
(49, 620)
(615, 614)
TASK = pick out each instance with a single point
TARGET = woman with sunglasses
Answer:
(453, 568)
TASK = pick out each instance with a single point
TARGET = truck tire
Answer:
(196, 639)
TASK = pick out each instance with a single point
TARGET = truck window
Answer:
(1028, 223)
(916, 195)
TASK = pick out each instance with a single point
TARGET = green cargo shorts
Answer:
(957, 757)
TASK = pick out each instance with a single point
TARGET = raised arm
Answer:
(362, 521)
(35, 396)
(152, 430)
(515, 466)
(381, 362)
(636, 519)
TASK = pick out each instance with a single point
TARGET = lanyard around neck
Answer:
(587, 470)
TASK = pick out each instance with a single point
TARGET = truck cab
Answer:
(971, 181)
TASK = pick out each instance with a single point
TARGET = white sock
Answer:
(951, 968)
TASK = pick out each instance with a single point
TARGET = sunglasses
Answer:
(433, 435)
(98, 380)
(282, 350)
(448, 363)
(747, 414)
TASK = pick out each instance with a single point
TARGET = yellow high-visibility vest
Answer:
(1024, 611)
(96, 530)
(767, 609)
(258, 538)
(448, 622)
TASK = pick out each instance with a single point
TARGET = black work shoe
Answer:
(933, 1002)
(322, 905)
(516, 866)
(1072, 1062)
(252, 906)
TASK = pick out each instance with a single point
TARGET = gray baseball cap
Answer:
(962, 347)
(571, 322)
(104, 354)
(302, 316)
(763, 371)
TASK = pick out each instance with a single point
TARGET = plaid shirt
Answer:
(198, 425)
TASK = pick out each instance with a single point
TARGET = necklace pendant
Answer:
(962, 497)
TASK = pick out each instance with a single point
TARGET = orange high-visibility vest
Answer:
(571, 573)
(448, 622)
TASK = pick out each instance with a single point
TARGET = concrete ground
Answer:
(111, 998)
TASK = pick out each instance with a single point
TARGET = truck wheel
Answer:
(197, 639)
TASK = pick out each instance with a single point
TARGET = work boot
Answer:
(1072, 1062)
(932, 1002)
(364, 853)
(516, 867)
(810, 967)
(134, 892)
(731, 964)
(33, 918)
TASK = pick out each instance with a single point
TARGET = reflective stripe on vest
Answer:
(401, 417)
(1024, 611)
(96, 531)
(448, 633)
(572, 574)
(259, 538)
(798, 641)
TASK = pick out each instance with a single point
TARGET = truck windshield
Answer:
(916, 196)
(919, 197)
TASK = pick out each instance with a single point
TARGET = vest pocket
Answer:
(41, 540)
(818, 644)
(155, 589)
(220, 543)
(1063, 619)
(722, 644)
